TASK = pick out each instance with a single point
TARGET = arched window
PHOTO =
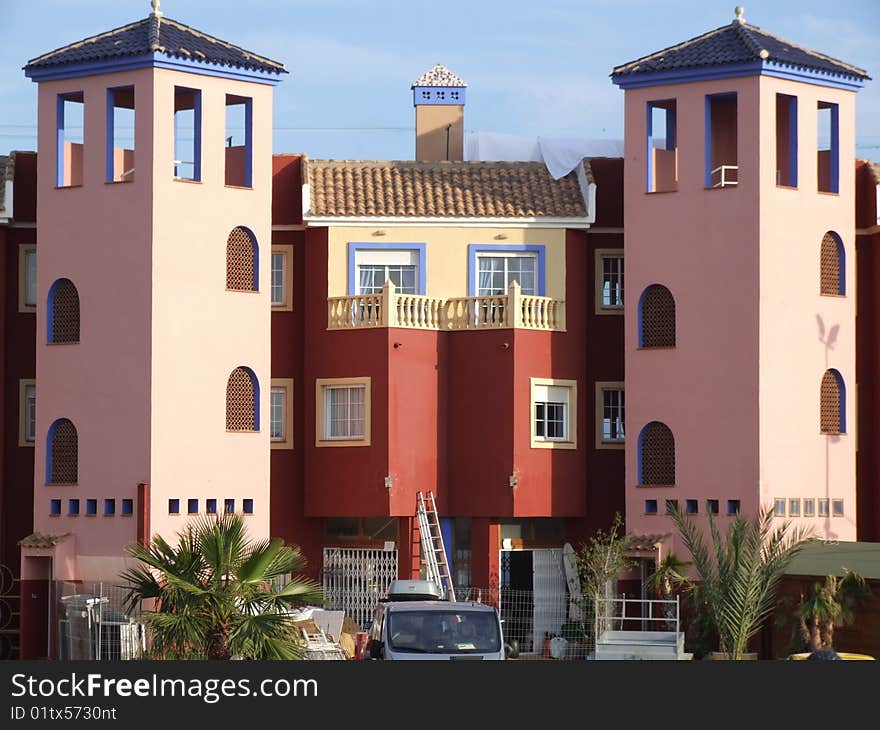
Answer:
(62, 453)
(242, 260)
(832, 403)
(62, 324)
(656, 454)
(831, 264)
(242, 401)
(656, 317)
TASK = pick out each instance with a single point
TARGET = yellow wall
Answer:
(446, 254)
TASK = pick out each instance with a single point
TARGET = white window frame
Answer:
(387, 258)
(554, 390)
(286, 302)
(603, 387)
(601, 255)
(779, 507)
(322, 421)
(809, 507)
(283, 386)
(506, 256)
(794, 507)
(27, 412)
(834, 505)
(27, 251)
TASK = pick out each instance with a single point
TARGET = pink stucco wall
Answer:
(146, 385)
(740, 391)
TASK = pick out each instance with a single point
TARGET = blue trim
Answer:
(431, 95)
(355, 246)
(446, 532)
(59, 140)
(733, 506)
(50, 307)
(109, 135)
(707, 172)
(669, 141)
(211, 506)
(228, 506)
(174, 506)
(192, 506)
(109, 506)
(127, 506)
(753, 68)
(792, 140)
(91, 506)
(197, 134)
(639, 443)
(835, 149)
(73, 507)
(151, 60)
(477, 248)
(55, 507)
(249, 143)
(256, 383)
(247, 506)
(650, 506)
(841, 387)
(841, 263)
(649, 154)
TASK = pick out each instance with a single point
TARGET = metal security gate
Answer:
(356, 579)
(9, 614)
(533, 597)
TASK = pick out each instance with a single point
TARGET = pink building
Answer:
(740, 309)
(153, 326)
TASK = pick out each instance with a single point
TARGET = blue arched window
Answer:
(656, 455)
(656, 317)
(242, 401)
(62, 453)
(832, 403)
(832, 264)
(62, 313)
(242, 260)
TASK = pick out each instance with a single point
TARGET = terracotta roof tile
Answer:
(643, 542)
(735, 43)
(155, 34)
(438, 76)
(39, 540)
(363, 189)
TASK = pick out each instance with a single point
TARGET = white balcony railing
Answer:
(414, 311)
(724, 176)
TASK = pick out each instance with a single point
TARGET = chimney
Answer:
(438, 96)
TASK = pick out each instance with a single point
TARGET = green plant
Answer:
(740, 571)
(830, 604)
(215, 594)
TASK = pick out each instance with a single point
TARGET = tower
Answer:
(740, 308)
(153, 334)
(438, 96)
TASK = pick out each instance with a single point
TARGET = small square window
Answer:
(192, 506)
(712, 506)
(281, 414)
(809, 508)
(211, 506)
(27, 278)
(55, 507)
(609, 281)
(281, 282)
(91, 506)
(671, 506)
(690, 506)
(229, 505)
(733, 506)
(779, 508)
(823, 508)
(247, 506)
(650, 506)
(73, 507)
(174, 506)
(837, 508)
(109, 506)
(610, 415)
(794, 508)
(127, 506)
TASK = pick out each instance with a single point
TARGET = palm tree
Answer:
(668, 578)
(216, 593)
(831, 604)
(740, 571)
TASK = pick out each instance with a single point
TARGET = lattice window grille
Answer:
(658, 317)
(241, 402)
(65, 312)
(830, 404)
(64, 453)
(657, 455)
(830, 279)
(240, 258)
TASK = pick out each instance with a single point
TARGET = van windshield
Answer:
(444, 632)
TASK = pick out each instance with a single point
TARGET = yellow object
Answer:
(842, 654)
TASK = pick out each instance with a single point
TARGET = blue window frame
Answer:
(70, 139)
(211, 506)
(62, 313)
(55, 507)
(239, 152)
(733, 506)
(650, 506)
(91, 506)
(828, 146)
(174, 506)
(478, 250)
(120, 134)
(786, 140)
(690, 506)
(722, 166)
(187, 133)
(127, 506)
(229, 506)
(247, 506)
(364, 271)
(661, 138)
(192, 506)
(72, 507)
(109, 506)
(712, 506)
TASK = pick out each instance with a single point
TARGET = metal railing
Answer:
(727, 176)
(636, 614)
(94, 623)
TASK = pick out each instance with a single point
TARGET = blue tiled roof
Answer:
(735, 43)
(155, 34)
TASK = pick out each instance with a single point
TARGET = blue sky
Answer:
(536, 67)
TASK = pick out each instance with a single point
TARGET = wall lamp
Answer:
(512, 480)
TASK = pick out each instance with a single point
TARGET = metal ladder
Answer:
(433, 549)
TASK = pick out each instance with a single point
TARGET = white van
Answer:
(414, 624)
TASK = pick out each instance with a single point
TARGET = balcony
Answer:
(415, 311)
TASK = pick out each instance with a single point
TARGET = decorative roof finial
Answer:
(155, 5)
(739, 12)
